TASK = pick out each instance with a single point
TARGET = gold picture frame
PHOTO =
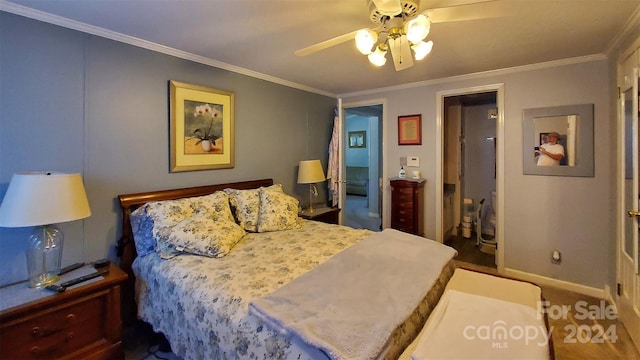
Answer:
(410, 130)
(201, 128)
(357, 139)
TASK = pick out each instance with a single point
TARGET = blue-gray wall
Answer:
(542, 213)
(75, 102)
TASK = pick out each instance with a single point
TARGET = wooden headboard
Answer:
(126, 250)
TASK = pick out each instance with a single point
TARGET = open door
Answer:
(628, 265)
(362, 158)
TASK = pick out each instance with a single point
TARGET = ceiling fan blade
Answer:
(439, 4)
(401, 53)
(475, 11)
(326, 44)
(388, 7)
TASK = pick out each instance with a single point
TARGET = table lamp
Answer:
(42, 199)
(310, 172)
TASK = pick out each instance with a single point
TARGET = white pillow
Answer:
(278, 211)
(202, 235)
(246, 205)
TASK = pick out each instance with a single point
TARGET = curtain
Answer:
(333, 163)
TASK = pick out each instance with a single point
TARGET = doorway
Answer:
(487, 100)
(470, 176)
(363, 158)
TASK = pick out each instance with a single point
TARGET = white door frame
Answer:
(383, 145)
(627, 297)
(440, 97)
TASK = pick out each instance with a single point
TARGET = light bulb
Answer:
(377, 57)
(365, 39)
(417, 28)
(422, 49)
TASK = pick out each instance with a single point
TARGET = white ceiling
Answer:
(259, 37)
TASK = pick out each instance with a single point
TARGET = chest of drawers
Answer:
(80, 323)
(407, 205)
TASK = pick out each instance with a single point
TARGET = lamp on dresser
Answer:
(42, 199)
(310, 172)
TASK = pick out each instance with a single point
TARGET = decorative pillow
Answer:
(246, 205)
(278, 211)
(142, 227)
(216, 204)
(202, 235)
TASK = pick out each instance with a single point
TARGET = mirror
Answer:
(558, 141)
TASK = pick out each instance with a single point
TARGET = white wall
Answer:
(542, 213)
(479, 159)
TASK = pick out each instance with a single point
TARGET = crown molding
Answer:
(630, 28)
(10, 7)
(480, 75)
(131, 40)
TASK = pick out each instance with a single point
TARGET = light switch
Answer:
(413, 161)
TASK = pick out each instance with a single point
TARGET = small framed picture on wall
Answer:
(410, 130)
(357, 139)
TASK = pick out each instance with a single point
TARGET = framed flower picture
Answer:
(201, 128)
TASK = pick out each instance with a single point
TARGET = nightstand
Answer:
(82, 322)
(324, 214)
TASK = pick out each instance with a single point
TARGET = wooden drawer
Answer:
(80, 323)
(52, 333)
(407, 206)
(407, 201)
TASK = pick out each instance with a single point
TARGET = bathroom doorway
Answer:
(469, 176)
(363, 163)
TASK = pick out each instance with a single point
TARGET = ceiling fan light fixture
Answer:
(422, 49)
(365, 39)
(417, 28)
(388, 7)
(378, 57)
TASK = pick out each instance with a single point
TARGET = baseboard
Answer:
(561, 284)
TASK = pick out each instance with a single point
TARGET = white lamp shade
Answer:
(365, 39)
(418, 28)
(42, 198)
(310, 172)
(422, 49)
(377, 57)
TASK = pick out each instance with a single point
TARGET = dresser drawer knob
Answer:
(71, 317)
(43, 332)
(35, 350)
(69, 336)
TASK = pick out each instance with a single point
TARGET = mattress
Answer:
(201, 304)
(488, 287)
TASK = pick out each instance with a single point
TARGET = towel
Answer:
(349, 306)
(468, 326)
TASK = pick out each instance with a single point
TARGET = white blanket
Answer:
(467, 326)
(348, 306)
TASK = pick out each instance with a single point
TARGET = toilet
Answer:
(492, 218)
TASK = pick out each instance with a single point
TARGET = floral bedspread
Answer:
(201, 303)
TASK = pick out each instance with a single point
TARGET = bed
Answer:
(220, 304)
(494, 309)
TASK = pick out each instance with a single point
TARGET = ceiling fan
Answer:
(402, 29)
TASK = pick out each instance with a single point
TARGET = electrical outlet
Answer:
(556, 257)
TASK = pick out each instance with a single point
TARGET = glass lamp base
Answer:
(44, 256)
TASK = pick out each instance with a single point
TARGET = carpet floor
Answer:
(356, 214)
